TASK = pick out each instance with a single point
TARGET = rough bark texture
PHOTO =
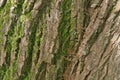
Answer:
(59, 39)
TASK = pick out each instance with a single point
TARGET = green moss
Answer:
(11, 71)
(13, 38)
(27, 6)
(34, 39)
(3, 70)
(64, 30)
(60, 70)
(41, 71)
(3, 20)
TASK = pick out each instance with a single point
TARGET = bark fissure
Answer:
(59, 39)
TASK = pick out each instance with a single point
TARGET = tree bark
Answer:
(59, 40)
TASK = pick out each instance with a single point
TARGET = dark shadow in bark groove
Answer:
(8, 44)
(41, 71)
(3, 3)
(3, 69)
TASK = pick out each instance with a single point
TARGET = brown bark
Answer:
(59, 40)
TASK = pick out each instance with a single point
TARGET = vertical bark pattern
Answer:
(59, 39)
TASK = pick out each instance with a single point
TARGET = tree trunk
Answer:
(59, 40)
